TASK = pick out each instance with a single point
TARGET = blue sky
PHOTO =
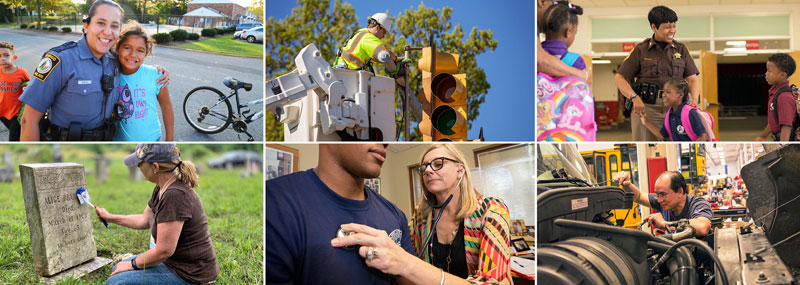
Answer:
(508, 112)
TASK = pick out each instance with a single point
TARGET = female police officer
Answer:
(653, 62)
(74, 81)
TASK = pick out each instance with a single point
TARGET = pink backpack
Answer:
(705, 118)
(564, 109)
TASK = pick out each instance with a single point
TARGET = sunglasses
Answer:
(436, 164)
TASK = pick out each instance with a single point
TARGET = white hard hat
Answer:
(383, 20)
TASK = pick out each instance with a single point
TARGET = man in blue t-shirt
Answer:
(672, 202)
(305, 210)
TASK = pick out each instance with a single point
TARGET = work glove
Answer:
(401, 65)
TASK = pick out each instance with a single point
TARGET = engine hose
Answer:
(686, 273)
(700, 244)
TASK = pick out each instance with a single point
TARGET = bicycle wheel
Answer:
(207, 110)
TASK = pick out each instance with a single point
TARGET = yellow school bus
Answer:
(604, 164)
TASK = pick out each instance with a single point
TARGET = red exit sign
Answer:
(627, 47)
(752, 45)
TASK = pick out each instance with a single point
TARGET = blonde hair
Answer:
(187, 173)
(467, 195)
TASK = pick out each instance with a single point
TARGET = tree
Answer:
(257, 7)
(310, 22)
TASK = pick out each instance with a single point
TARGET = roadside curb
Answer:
(32, 32)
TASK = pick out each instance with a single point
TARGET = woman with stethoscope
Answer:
(450, 229)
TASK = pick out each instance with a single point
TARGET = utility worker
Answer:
(653, 62)
(366, 46)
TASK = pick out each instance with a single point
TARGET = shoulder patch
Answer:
(64, 46)
(49, 61)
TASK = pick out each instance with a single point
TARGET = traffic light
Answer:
(443, 97)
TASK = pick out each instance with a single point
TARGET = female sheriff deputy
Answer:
(74, 82)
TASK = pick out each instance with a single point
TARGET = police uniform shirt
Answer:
(651, 64)
(67, 81)
(677, 128)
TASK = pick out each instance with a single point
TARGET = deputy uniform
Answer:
(649, 63)
(360, 51)
(67, 83)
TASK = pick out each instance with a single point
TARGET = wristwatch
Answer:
(634, 95)
(133, 264)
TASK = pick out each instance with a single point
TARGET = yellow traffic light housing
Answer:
(443, 98)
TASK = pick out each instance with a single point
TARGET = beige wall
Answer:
(395, 185)
(582, 43)
(604, 88)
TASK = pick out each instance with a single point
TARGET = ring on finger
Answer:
(369, 253)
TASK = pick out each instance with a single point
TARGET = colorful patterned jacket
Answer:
(486, 239)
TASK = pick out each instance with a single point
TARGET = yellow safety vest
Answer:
(360, 49)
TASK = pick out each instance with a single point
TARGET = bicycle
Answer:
(214, 118)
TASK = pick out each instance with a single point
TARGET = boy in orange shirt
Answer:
(13, 80)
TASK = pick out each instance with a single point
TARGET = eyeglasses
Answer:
(436, 164)
(662, 195)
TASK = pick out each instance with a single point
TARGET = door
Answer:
(709, 99)
(795, 78)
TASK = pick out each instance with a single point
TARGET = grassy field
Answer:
(233, 206)
(226, 45)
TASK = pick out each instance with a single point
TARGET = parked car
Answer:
(234, 158)
(245, 26)
(253, 35)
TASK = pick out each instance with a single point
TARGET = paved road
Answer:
(187, 69)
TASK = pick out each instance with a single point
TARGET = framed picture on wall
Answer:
(374, 184)
(280, 160)
(518, 227)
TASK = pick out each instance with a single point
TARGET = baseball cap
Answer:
(152, 153)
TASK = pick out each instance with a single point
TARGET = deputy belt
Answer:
(56, 133)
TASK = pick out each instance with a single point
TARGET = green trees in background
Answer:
(313, 22)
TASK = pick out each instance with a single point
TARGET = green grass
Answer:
(232, 204)
(225, 45)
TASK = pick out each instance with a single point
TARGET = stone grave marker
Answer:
(60, 227)
(7, 170)
(101, 168)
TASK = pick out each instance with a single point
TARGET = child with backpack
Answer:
(682, 121)
(560, 26)
(782, 109)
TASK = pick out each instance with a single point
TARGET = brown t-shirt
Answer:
(650, 64)
(194, 259)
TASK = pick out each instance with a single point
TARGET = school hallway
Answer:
(730, 129)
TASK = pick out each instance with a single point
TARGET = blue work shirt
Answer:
(676, 126)
(67, 82)
(694, 207)
(303, 215)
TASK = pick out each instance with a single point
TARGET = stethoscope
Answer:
(340, 233)
(436, 220)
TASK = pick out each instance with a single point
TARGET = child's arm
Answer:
(29, 130)
(653, 129)
(763, 135)
(166, 112)
(786, 132)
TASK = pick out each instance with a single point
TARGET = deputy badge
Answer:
(49, 61)
(677, 55)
